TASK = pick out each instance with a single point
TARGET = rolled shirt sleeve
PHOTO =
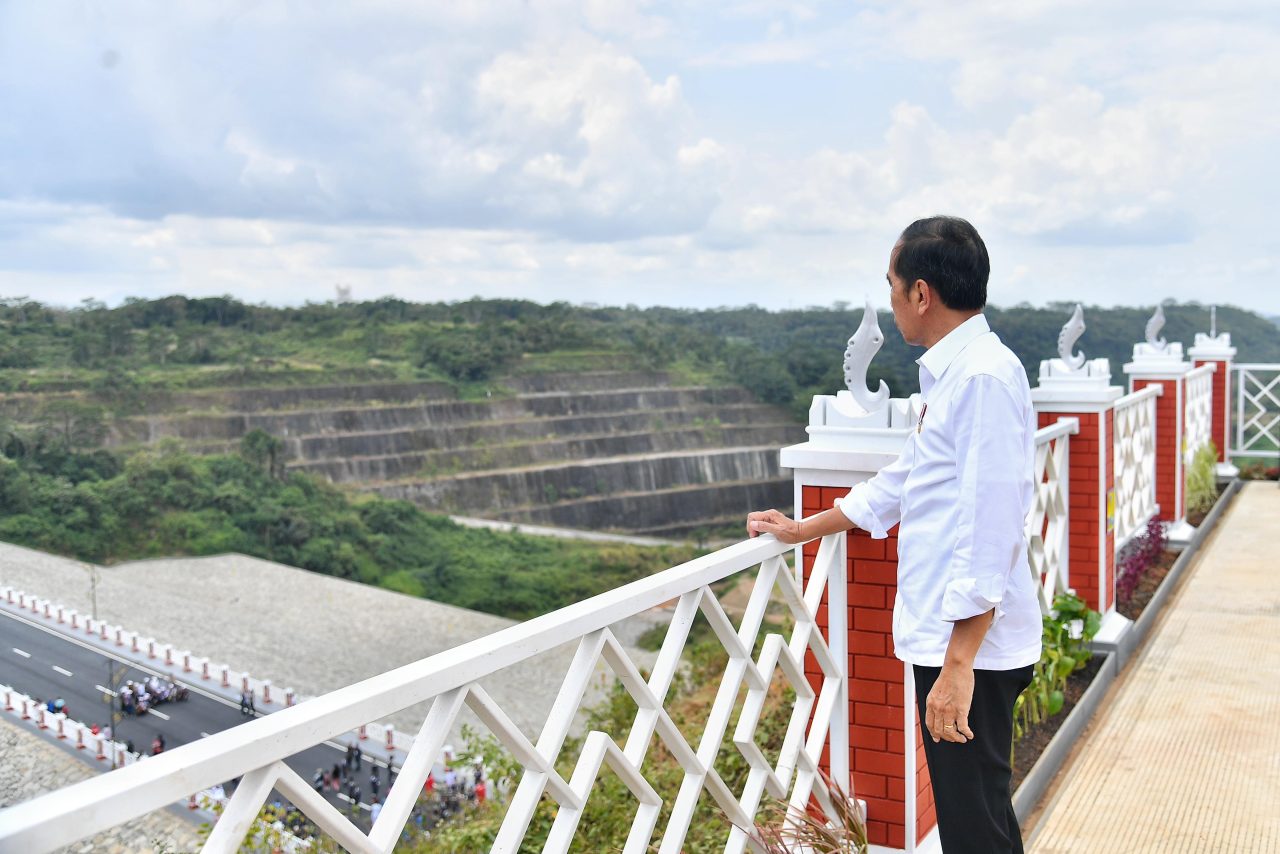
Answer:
(876, 505)
(992, 473)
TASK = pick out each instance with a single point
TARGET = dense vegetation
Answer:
(124, 354)
(93, 505)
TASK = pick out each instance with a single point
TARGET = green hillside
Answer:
(126, 357)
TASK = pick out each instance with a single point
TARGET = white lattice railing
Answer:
(1257, 411)
(256, 750)
(1047, 523)
(1135, 462)
(1197, 430)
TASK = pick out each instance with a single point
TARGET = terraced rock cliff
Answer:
(622, 451)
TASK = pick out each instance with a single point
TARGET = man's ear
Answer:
(926, 296)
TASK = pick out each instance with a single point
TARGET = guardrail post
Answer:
(391, 737)
(1217, 350)
(266, 691)
(1166, 367)
(288, 697)
(226, 676)
(1087, 395)
(882, 759)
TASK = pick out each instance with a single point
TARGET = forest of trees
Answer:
(121, 354)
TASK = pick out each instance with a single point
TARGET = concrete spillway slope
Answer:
(617, 451)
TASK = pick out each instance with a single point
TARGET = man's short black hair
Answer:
(946, 252)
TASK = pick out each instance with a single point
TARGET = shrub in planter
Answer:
(1202, 487)
(1068, 628)
(1137, 558)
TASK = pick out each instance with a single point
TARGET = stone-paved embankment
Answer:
(31, 766)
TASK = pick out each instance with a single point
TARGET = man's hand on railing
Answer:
(789, 531)
(783, 527)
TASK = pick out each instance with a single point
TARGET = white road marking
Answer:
(62, 670)
(106, 691)
(21, 653)
(161, 715)
(204, 735)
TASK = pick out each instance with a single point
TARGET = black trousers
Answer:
(971, 780)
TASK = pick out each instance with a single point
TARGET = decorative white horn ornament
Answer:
(1068, 337)
(863, 346)
(1154, 325)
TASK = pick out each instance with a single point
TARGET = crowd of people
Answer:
(137, 698)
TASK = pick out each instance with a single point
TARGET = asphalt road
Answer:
(44, 664)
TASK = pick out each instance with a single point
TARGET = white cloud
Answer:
(631, 151)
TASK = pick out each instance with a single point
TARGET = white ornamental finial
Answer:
(863, 346)
(1154, 325)
(1068, 337)
(1213, 321)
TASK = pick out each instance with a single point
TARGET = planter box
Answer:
(1046, 768)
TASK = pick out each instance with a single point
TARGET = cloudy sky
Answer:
(623, 151)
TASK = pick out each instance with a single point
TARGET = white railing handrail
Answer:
(1206, 368)
(1136, 397)
(83, 809)
(1067, 426)
(1256, 366)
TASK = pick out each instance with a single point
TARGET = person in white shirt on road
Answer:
(966, 616)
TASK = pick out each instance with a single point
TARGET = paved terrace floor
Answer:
(1185, 756)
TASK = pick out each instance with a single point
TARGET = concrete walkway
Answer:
(1186, 754)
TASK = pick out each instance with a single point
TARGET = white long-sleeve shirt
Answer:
(960, 493)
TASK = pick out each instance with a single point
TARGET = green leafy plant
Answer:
(1202, 487)
(1067, 630)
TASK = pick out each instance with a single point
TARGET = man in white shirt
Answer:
(966, 615)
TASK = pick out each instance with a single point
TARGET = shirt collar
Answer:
(939, 357)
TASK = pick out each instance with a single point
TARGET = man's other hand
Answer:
(947, 707)
(786, 529)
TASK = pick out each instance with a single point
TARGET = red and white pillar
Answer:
(1217, 351)
(1088, 395)
(1166, 367)
(886, 754)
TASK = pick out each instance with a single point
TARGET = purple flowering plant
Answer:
(1139, 556)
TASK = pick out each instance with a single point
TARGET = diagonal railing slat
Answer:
(1134, 458)
(1257, 411)
(1047, 523)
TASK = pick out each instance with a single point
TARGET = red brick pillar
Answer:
(1217, 351)
(848, 446)
(1165, 368)
(881, 769)
(1086, 394)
